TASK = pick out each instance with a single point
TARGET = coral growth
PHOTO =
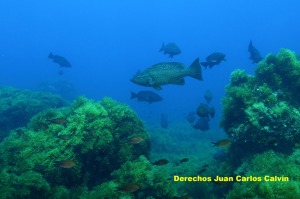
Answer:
(262, 112)
(268, 164)
(18, 106)
(74, 148)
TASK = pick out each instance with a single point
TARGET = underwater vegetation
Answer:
(71, 152)
(262, 112)
(18, 106)
(268, 164)
(261, 116)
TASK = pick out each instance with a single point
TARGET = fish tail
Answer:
(162, 47)
(133, 95)
(50, 56)
(205, 64)
(250, 46)
(195, 70)
(214, 143)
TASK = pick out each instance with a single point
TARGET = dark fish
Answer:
(164, 121)
(171, 49)
(167, 73)
(205, 166)
(203, 110)
(208, 96)
(183, 160)
(129, 188)
(214, 59)
(191, 117)
(61, 61)
(212, 112)
(202, 124)
(135, 140)
(254, 53)
(202, 170)
(60, 120)
(161, 162)
(146, 96)
(66, 164)
(222, 143)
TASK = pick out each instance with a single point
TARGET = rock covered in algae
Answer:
(18, 106)
(61, 151)
(265, 106)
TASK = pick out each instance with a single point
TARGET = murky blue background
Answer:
(107, 42)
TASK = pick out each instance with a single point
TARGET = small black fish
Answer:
(202, 170)
(214, 59)
(161, 162)
(183, 160)
(129, 188)
(146, 96)
(61, 61)
(254, 53)
(170, 48)
(205, 166)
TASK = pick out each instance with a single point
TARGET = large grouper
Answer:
(167, 73)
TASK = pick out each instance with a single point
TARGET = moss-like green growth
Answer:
(281, 72)
(268, 164)
(262, 112)
(93, 136)
(18, 106)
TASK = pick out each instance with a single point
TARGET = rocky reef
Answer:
(18, 106)
(88, 150)
(261, 115)
(262, 112)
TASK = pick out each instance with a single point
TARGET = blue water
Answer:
(107, 42)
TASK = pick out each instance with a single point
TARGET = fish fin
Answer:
(171, 56)
(195, 70)
(50, 56)
(250, 46)
(162, 47)
(133, 95)
(214, 143)
(179, 82)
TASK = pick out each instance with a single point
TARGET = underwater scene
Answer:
(151, 99)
